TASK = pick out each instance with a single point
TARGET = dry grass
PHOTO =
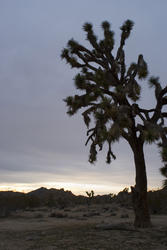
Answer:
(77, 231)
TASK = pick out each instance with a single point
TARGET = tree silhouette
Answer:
(111, 91)
(90, 196)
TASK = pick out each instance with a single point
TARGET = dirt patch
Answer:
(80, 229)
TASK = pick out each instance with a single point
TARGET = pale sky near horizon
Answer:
(40, 145)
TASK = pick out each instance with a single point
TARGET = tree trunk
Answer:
(139, 192)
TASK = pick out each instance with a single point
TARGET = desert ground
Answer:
(97, 227)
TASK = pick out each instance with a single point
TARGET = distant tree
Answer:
(90, 196)
(125, 190)
(111, 195)
(111, 91)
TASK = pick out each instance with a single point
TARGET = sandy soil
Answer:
(80, 228)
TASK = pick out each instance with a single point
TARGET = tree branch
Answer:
(164, 114)
(91, 136)
(159, 105)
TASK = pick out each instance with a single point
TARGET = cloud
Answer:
(39, 142)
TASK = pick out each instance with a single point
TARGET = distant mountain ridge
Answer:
(46, 197)
(60, 198)
(44, 192)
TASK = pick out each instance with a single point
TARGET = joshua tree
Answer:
(90, 196)
(110, 94)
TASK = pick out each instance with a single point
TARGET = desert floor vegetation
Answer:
(102, 227)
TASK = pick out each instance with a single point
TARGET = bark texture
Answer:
(139, 191)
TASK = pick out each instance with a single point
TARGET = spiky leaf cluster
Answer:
(111, 91)
(151, 132)
(163, 153)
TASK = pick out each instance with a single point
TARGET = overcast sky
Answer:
(39, 144)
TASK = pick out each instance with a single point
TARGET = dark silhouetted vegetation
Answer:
(90, 196)
(53, 198)
(111, 91)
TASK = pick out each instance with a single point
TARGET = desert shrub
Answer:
(57, 215)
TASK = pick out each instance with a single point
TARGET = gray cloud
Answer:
(39, 141)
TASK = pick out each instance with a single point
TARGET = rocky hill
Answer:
(60, 198)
